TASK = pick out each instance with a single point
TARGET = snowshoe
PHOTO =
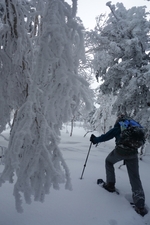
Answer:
(142, 211)
(110, 187)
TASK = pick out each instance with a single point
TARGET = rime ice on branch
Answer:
(120, 44)
(42, 44)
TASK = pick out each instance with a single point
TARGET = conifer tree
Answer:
(41, 46)
(120, 44)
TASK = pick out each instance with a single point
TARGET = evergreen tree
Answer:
(41, 46)
(104, 112)
(100, 118)
(121, 59)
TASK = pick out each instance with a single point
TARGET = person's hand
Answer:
(93, 139)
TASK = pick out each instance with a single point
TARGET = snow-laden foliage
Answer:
(121, 59)
(104, 112)
(41, 45)
(100, 118)
(15, 56)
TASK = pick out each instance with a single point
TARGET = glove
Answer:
(93, 139)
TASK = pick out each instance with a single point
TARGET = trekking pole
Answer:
(86, 161)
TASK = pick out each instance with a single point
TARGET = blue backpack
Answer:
(132, 135)
(129, 123)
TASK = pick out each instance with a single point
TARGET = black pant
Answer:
(133, 172)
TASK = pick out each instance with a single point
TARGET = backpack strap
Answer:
(124, 124)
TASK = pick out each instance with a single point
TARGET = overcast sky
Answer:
(89, 9)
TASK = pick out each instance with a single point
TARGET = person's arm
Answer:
(114, 132)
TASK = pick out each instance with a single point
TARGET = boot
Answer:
(142, 211)
(110, 186)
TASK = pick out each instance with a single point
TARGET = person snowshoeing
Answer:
(127, 143)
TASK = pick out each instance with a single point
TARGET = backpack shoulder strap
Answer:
(124, 124)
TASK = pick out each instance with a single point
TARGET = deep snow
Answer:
(87, 203)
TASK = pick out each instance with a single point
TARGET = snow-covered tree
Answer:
(103, 115)
(121, 59)
(100, 118)
(41, 82)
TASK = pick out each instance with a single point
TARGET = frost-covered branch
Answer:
(44, 92)
(6, 139)
(121, 60)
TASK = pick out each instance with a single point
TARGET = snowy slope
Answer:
(87, 203)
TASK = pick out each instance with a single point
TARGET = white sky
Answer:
(89, 9)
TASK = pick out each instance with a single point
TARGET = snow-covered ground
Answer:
(87, 203)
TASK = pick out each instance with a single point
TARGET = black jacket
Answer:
(112, 133)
